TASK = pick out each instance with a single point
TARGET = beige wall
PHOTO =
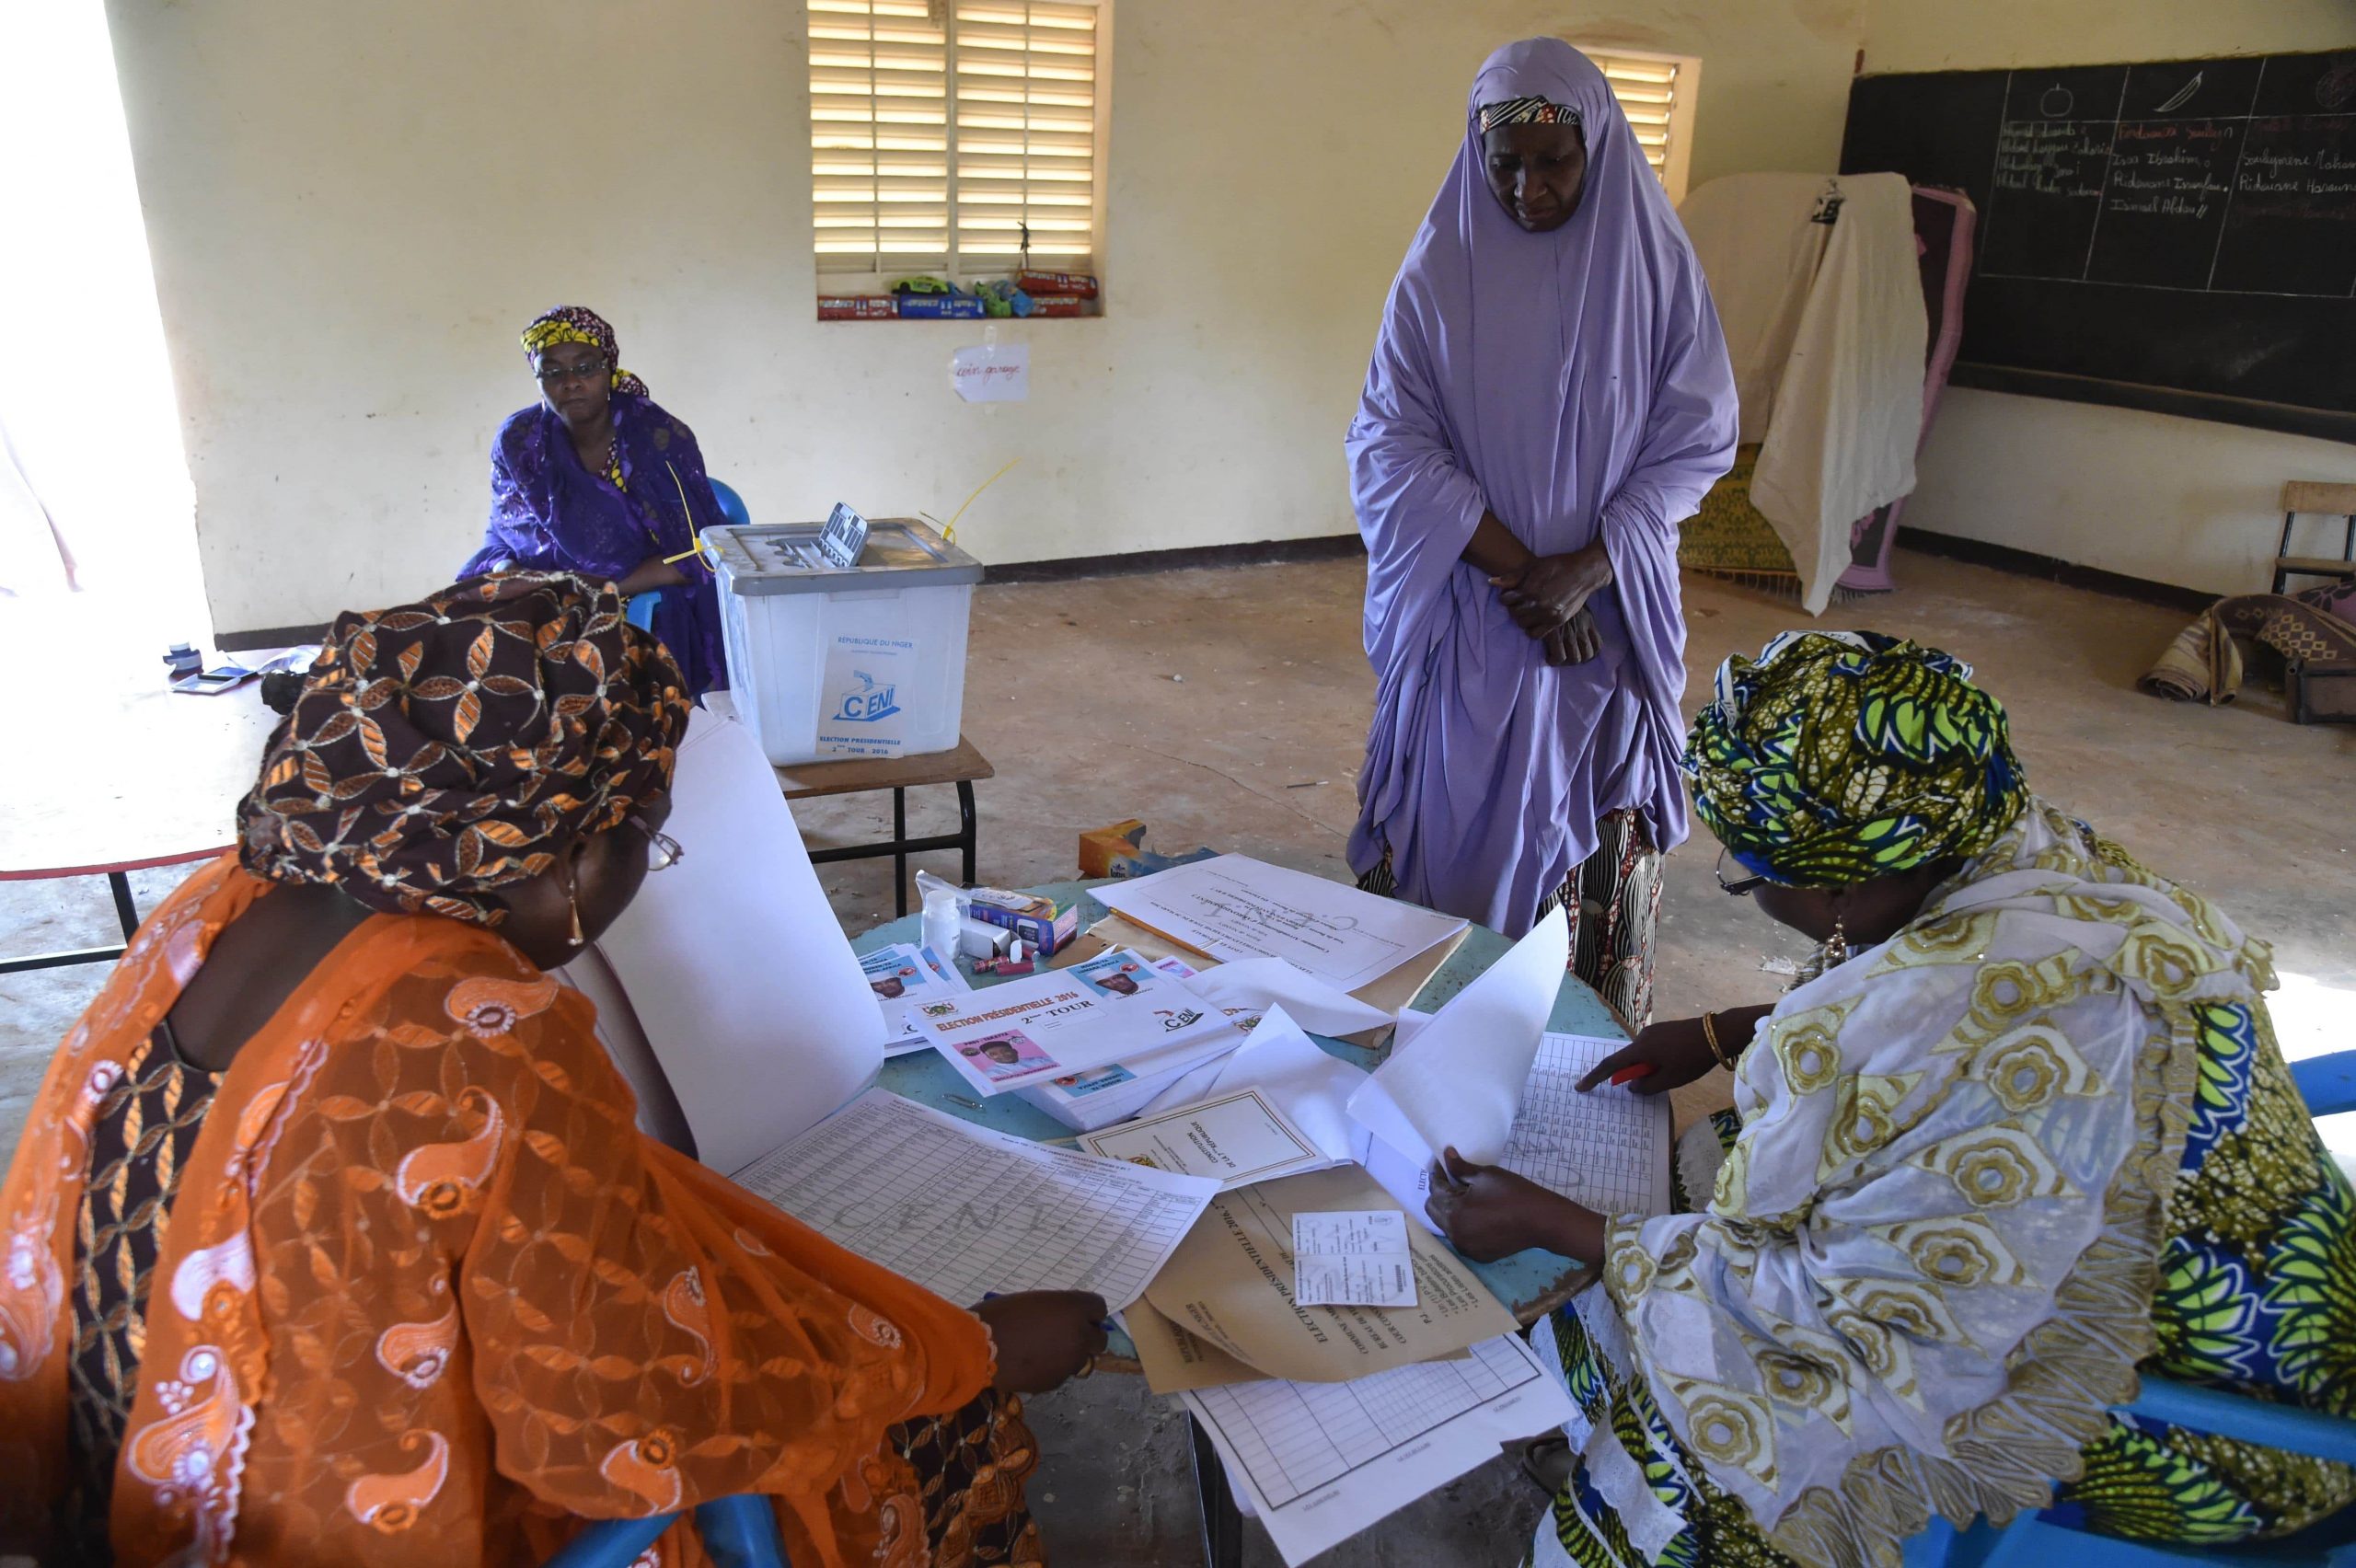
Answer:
(2176, 501)
(354, 208)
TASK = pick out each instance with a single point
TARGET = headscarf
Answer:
(1838, 757)
(1529, 109)
(442, 750)
(1575, 384)
(579, 324)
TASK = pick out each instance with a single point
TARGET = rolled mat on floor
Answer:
(2316, 629)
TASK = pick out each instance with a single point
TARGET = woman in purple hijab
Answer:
(599, 480)
(1549, 399)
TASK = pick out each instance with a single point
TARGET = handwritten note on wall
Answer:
(993, 373)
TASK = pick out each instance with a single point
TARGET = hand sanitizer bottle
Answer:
(941, 923)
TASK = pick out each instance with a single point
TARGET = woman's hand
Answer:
(1676, 1052)
(650, 573)
(1544, 595)
(1489, 1212)
(1043, 1337)
(1574, 641)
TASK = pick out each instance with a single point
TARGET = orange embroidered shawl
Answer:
(426, 1294)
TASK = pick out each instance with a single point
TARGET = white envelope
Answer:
(1259, 984)
(1307, 1083)
(1458, 1081)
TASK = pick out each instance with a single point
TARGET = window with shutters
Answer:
(954, 137)
(1657, 92)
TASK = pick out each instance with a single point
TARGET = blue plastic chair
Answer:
(731, 503)
(2328, 1085)
(640, 611)
(738, 1532)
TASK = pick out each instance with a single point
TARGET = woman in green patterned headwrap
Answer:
(2025, 1132)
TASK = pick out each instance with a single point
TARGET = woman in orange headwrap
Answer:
(330, 1237)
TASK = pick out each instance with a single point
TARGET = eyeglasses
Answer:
(547, 374)
(1741, 886)
(663, 851)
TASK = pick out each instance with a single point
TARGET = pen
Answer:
(1631, 1073)
(977, 1105)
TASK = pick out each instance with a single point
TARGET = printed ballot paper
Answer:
(901, 976)
(1355, 1259)
(1049, 1026)
(1236, 1139)
(1230, 1281)
(1319, 1462)
(1233, 907)
(1607, 1147)
(1459, 1082)
(964, 1210)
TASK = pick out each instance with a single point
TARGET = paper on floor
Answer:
(1236, 1139)
(1317, 1463)
(1458, 1082)
(964, 1210)
(739, 973)
(1353, 1258)
(1233, 907)
(1232, 1283)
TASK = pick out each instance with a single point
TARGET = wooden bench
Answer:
(858, 775)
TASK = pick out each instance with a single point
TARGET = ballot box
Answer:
(831, 661)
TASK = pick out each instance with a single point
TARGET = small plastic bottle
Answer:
(942, 922)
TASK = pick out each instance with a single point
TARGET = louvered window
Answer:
(957, 137)
(1657, 92)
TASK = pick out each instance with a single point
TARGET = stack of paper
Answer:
(1232, 907)
(966, 1212)
(903, 976)
(1111, 1021)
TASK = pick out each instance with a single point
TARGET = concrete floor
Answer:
(1228, 708)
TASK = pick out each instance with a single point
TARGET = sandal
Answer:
(1546, 1462)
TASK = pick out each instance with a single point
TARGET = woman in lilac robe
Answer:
(1549, 399)
(599, 480)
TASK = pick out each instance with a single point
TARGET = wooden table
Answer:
(115, 781)
(858, 775)
(1531, 1283)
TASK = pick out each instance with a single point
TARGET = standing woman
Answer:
(1549, 398)
(596, 478)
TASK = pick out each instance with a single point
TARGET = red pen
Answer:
(1631, 1073)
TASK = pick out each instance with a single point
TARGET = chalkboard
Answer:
(2178, 234)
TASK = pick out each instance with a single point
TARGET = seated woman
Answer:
(2029, 1132)
(330, 1234)
(596, 478)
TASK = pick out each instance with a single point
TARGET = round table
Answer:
(122, 778)
(1531, 1283)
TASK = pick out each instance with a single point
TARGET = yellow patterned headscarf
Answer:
(579, 324)
(1838, 757)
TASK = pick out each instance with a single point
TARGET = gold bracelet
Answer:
(1710, 1033)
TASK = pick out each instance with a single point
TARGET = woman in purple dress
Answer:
(1549, 399)
(597, 479)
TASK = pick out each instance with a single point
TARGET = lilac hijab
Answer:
(1577, 385)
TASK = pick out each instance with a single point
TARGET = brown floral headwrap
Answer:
(442, 750)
